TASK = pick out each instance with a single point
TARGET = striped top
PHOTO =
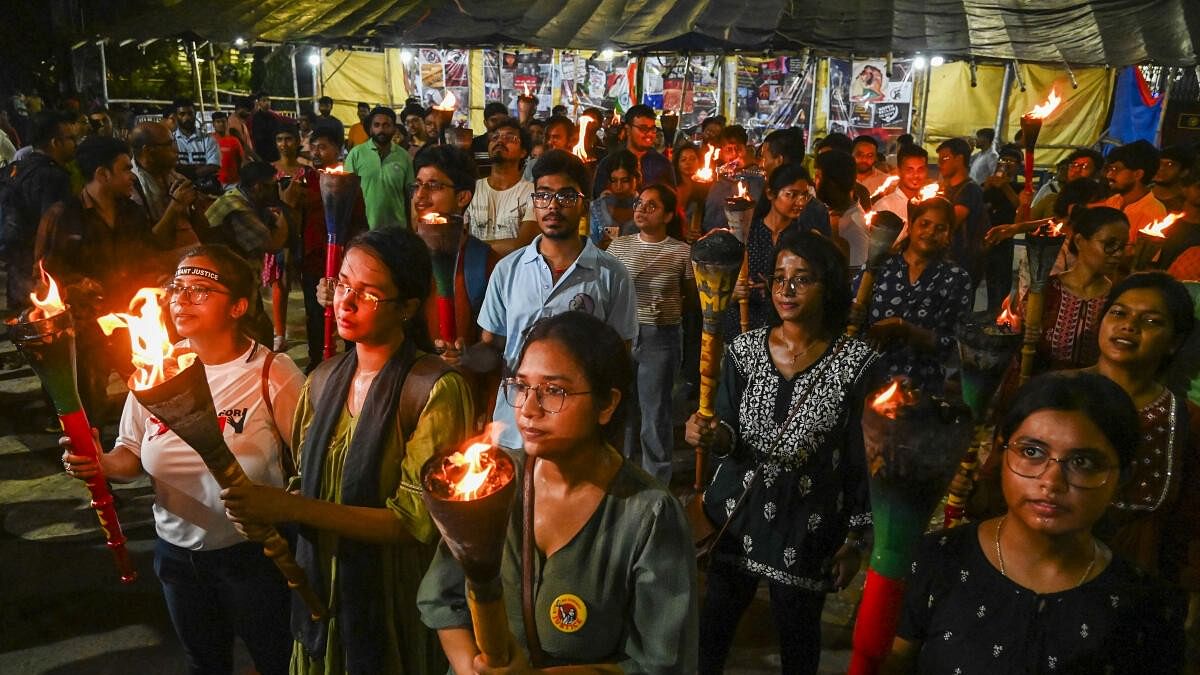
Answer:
(658, 270)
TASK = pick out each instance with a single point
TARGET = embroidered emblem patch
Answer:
(568, 613)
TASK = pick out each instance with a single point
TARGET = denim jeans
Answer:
(214, 595)
(656, 356)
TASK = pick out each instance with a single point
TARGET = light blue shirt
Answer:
(199, 148)
(521, 290)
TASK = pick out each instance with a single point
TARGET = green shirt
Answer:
(632, 567)
(384, 183)
(412, 649)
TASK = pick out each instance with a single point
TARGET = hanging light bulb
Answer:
(936, 61)
(919, 62)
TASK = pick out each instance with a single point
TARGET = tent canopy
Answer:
(1078, 32)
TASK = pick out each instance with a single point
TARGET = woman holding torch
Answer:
(918, 299)
(792, 487)
(611, 563)
(1036, 590)
(216, 584)
(367, 420)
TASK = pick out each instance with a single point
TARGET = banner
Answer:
(437, 71)
(774, 93)
(598, 82)
(689, 87)
(527, 71)
(866, 98)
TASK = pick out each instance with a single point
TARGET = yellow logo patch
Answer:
(568, 613)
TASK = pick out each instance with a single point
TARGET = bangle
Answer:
(733, 438)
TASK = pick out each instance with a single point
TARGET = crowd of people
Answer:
(500, 284)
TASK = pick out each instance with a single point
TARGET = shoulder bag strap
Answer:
(286, 461)
(532, 642)
(414, 393)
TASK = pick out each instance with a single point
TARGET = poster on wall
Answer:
(439, 71)
(687, 86)
(868, 98)
(527, 71)
(773, 93)
(601, 82)
(491, 74)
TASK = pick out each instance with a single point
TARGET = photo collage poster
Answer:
(439, 71)
(687, 86)
(866, 98)
(589, 80)
(526, 71)
(774, 93)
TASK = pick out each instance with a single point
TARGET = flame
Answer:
(887, 395)
(1051, 228)
(928, 192)
(887, 184)
(890, 400)
(154, 356)
(741, 191)
(705, 173)
(616, 118)
(1043, 111)
(337, 169)
(449, 102)
(1159, 227)
(1008, 319)
(580, 150)
(52, 304)
(434, 218)
(525, 86)
(476, 475)
(869, 216)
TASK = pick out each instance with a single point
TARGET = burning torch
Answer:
(469, 496)
(442, 236)
(1042, 246)
(716, 259)
(985, 348)
(45, 335)
(1031, 126)
(445, 114)
(737, 215)
(580, 151)
(526, 104)
(339, 190)
(703, 178)
(1150, 243)
(883, 229)
(172, 385)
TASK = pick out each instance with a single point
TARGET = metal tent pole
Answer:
(295, 80)
(1002, 110)
(196, 77)
(212, 63)
(103, 72)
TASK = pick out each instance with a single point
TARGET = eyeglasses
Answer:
(1112, 246)
(369, 300)
(1080, 469)
(565, 198)
(644, 206)
(191, 295)
(799, 282)
(508, 137)
(432, 186)
(1081, 166)
(645, 128)
(550, 398)
(793, 195)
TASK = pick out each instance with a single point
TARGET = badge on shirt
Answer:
(568, 613)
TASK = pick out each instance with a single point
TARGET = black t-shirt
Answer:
(973, 620)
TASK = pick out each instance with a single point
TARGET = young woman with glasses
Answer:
(661, 268)
(365, 537)
(612, 210)
(609, 557)
(216, 584)
(1034, 590)
(792, 481)
(918, 298)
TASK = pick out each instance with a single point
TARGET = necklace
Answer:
(1000, 554)
(791, 349)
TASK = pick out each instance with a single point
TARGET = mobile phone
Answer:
(613, 231)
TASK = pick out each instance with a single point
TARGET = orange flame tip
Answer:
(705, 173)
(928, 192)
(1159, 228)
(468, 486)
(337, 170)
(580, 149)
(449, 101)
(434, 218)
(154, 355)
(1043, 111)
(1007, 318)
(891, 180)
(52, 304)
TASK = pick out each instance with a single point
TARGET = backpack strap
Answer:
(286, 461)
(475, 259)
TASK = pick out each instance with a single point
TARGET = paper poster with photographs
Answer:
(527, 71)
(868, 98)
(437, 72)
(491, 74)
(774, 92)
(596, 80)
(687, 86)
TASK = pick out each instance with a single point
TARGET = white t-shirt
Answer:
(188, 511)
(497, 214)
(853, 228)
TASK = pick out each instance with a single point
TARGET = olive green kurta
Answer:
(412, 649)
(632, 565)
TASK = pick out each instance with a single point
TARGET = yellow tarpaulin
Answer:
(349, 77)
(958, 109)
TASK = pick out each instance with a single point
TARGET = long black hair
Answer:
(407, 259)
(829, 265)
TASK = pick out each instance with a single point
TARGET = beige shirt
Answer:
(1140, 213)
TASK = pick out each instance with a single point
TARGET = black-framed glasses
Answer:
(550, 397)
(565, 198)
(1081, 469)
(191, 295)
(1112, 246)
(798, 282)
(366, 299)
(645, 206)
(645, 128)
(506, 137)
(432, 186)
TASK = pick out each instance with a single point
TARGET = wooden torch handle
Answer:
(862, 300)
(1033, 333)
(489, 619)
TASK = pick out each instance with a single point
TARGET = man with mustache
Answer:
(559, 271)
(384, 170)
(500, 212)
(1130, 170)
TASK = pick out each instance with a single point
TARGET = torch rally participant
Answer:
(912, 166)
(500, 212)
(216, 584)
(366, 422)
(610, 562)
(102, 248)
(558, 272)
